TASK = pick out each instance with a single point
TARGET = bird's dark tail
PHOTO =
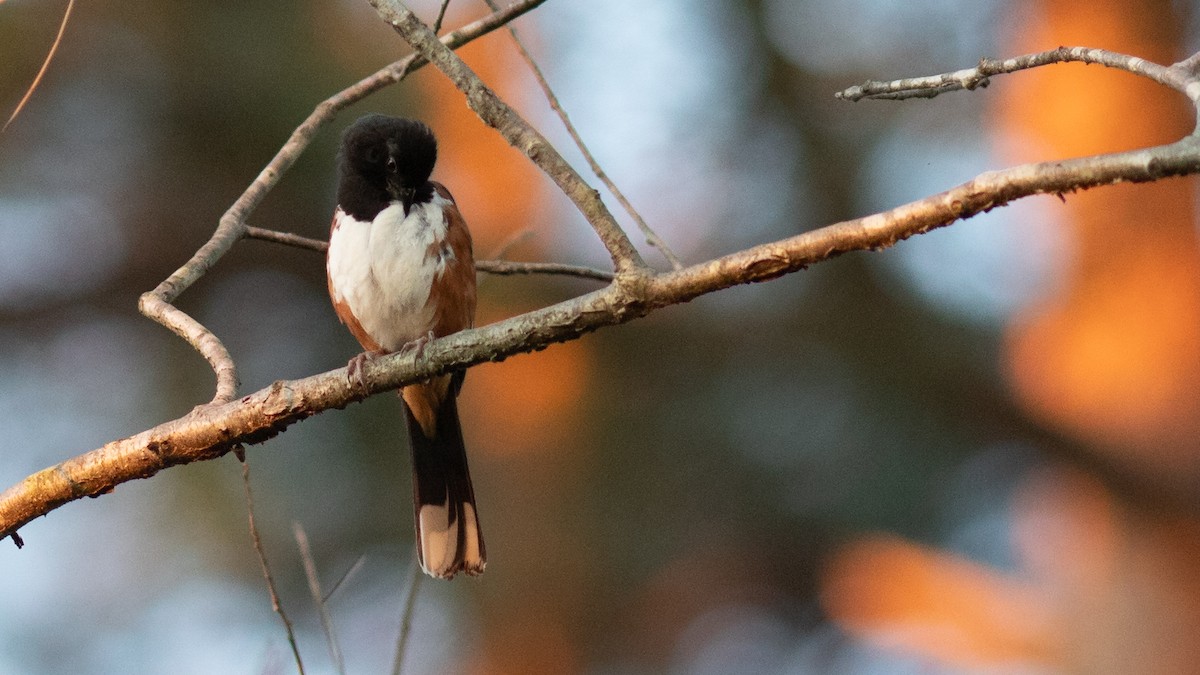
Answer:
(449, 539)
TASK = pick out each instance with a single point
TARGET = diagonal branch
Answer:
(265, 566)
(41, 73)
(651, 236)
(212, 430)
(519, 134)
(314, 589)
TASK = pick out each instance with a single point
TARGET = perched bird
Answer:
(401, 272)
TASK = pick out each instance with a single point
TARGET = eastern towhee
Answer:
(401, 272)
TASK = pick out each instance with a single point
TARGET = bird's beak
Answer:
(398, 191)
(393, 179)
(407, 196)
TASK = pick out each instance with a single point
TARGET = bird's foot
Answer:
(417, 347)
(354, 369)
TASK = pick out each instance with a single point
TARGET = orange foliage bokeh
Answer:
(528, 405)
(903, 595)
(1098, 588)
(1114, 358)
(497, 187)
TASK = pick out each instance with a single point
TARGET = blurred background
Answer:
(973, 453)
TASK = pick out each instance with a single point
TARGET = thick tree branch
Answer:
(214, 429)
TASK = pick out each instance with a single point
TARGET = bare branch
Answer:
(410, 603)
(652, 237)
(513, 268)
(1177, 77)
(37, 79)
(345, 577)
(314, 589)
(519, 134)
(437, 23)
(154, 305)
(500, 267)
(212, 430)
(512, 240)
(505, 267)
(287, 239)
(256, 539)
(157, 304)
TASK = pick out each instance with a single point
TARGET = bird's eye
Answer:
(373, 154)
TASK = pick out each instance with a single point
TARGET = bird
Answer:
(401, 272)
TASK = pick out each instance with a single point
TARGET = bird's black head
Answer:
(384, 159)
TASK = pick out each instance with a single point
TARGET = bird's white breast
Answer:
(382, 271)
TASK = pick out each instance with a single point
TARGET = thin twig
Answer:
(37, 79)
(1177, 77)
(437, 24)
(652, 237)
(287, 239)
(499, 267)
(314, 588)
(410, 603)
(519, 134)
(502, 250)
(505, 267)
(276, 605)
(512, 240)
(346, 577)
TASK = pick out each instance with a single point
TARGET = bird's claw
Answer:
(354, 369)
(417, 347)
